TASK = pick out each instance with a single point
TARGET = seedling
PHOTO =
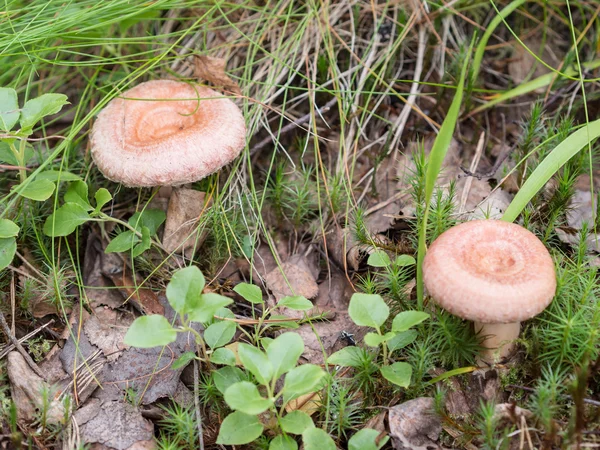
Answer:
(371, 311)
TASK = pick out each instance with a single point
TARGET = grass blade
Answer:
(550, 165)
(434, 165)
(486, 36)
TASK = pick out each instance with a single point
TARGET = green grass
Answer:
(291, 58)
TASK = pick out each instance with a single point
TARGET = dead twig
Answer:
(10, 347)
(20, 348)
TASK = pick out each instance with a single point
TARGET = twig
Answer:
(20, 348)
(493, 170)
(467, 188)
(414, 89)
(290, 126)
(10, 347)
(197, 406)
(589, 401)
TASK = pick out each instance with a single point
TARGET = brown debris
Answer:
(213, 70)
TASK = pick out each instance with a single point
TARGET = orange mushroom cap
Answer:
(490, 271)
(166, 133)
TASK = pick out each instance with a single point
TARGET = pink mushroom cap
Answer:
(166, 133)
(490, 271)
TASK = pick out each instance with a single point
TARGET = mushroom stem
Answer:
(498, 340)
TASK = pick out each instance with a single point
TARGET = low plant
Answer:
(252, 392)
(371, 311)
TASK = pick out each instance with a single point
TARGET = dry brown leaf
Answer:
(414, 425)
(26, 390)
(115, 424)
(213, 70)
(298, 280)
(185, 208)
(145, 300)
(106, 329)
(308, 403)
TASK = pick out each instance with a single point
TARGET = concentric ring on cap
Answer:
(490, 271)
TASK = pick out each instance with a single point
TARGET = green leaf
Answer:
(223, 356)
(183, 360)
(57, 175)
(65, 220)
(8, 248)
(244, 397)
(282, 442)
(35, 109)
(296, 302)
(144, 245)
(368, 310)
(287, 324)
(347, 357)
(398, 373)
(150, 331)
(256, 362)
(434, 164)
(226, 376)
(408, 319)
(379, 258)
(284, 352)
(375, 340)
(219, 334)
(404, 260)
(366, 439)
(401, 340)
(207, 306)
(249, 292)
(489, 30)
(38, 190)
(77, 192)
(317, 439)
(185, 289)
(562, 153)
(151, 218)
(8, 157)
(302, 380)
(239, 429)
(9, 109)
(296, 422)
(102, 197)
(122, 242)
(8, 228)
(265, 342)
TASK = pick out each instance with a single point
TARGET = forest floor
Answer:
(278, 303)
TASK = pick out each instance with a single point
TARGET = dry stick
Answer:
(414, 89)
(20, 348)
(472, 169)
(589, 401)
(290, 126)
(197, 406)
(493, 170)
(10, 347)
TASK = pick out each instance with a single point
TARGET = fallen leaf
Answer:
(106, 329)
(308, 403)
(26, 391)
(213, 70)
(292, 279)
(117, 424)
(145, 300)
(414, 425)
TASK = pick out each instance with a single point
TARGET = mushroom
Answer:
(494, 273)
(166, 133)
